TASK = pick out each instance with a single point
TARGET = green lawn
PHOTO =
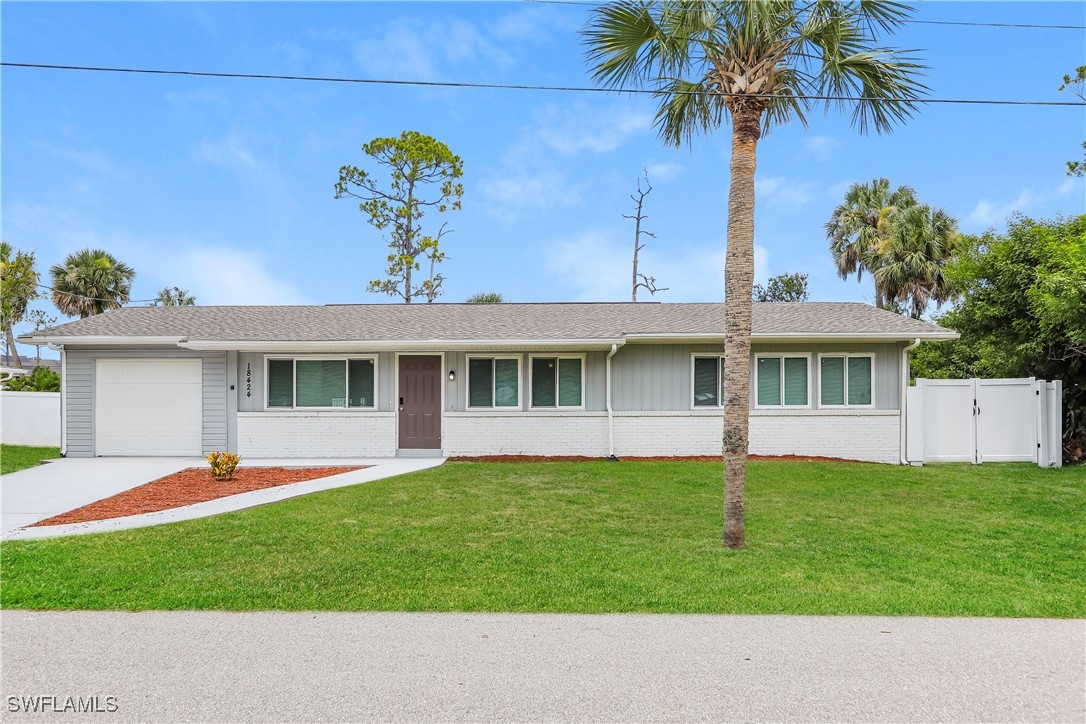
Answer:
(20, 457)
(823, 538)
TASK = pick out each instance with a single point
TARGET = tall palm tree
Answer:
(757, 64)
(919, 243)
(859, 228)
(90, 282)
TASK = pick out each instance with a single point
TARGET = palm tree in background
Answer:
(174, 297)
(860, 227)
(913, 262)
(90, 282)
(486, 298)
(755, 64)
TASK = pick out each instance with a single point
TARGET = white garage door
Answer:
(148, 407)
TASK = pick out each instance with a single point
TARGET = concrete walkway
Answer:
(68, 483)
(188, 666)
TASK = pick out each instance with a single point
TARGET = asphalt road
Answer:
(188, 666)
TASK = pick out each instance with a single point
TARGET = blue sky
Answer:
(225, 187)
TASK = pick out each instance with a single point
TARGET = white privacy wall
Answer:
(30, 418)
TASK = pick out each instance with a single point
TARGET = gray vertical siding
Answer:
(651, 377)
(79, 405)
(647, 377)
(215, 436)
(79, 389)
(232, 401)
(657, 377)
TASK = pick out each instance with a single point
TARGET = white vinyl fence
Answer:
(30, 418)
(977, 421)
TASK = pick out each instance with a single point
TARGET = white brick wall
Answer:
(870, 435)
(857, 435)
(535, 433)
(668, 433)
(316, 434)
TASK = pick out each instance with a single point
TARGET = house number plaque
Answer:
(248, 379)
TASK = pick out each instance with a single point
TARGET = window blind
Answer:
(859, 380)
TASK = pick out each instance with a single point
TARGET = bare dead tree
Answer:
(646, 282)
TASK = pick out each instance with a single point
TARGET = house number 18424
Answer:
(248, 379)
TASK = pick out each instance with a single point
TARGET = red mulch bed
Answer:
(658, 458)
(192, 485)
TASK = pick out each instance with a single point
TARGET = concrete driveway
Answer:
(193, 666)
(60, 485)
(68, 483)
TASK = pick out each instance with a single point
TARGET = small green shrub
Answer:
(41, 379)
(223, 464)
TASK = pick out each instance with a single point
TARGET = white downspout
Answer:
(904, 392)
(610, 411)
(63, 397)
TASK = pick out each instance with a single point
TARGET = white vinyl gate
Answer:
(978, 421)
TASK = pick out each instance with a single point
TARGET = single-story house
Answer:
(28, 363)
(379, 380)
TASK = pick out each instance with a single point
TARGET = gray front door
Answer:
(420, 402)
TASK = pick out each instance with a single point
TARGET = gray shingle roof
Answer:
(455, 322)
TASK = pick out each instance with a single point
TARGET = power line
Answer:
(506, 86)
(585, 3)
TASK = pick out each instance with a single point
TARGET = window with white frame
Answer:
(708, 381)
(781, 381)
(845, 380)
(493, 382)
(557, 381)
(315, 382)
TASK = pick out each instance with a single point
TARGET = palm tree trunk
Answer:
(738, 309)
(13, 352)
(879, 301)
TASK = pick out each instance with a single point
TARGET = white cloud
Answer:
(234, 151)
(596, 266)
(838, 190)
(416, 51)
(223, 275)
(991, 213)
(786, 190)
(820, 148)
(204, 96)
(578, 128)
(530, 177)
(531, 187)
(665, 171)
(92, 160)
(1070, 186)
(216, 274)
(294, 53)
(532, 25)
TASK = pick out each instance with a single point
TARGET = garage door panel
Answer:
(148, 407)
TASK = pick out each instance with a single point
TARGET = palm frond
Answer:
(687, 109)
(765, 54)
